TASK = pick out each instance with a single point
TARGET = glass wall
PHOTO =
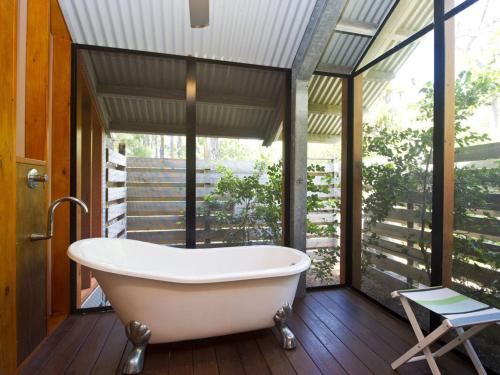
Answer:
(323, 184)
(239, 156)
(397, 172)
(144, 97)
(141, 189)
(407, 18)
(397, 166)
(476, 250)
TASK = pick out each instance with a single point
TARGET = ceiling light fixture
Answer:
(199, 13)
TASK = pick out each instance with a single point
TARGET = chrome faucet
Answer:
(50, 218)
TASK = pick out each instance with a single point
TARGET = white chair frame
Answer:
(424, 342)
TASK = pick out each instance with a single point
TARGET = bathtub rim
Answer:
(302, 265)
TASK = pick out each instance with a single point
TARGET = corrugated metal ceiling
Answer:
(247, 82)
(345, 48)
(141, 93)
(261, 32)
(257, 32)
(138, 70)
(342, 52)
(407, 18)
(327, 91)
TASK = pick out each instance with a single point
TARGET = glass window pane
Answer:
(149, 118)
(397, 173)
(323, 185)
(450, 4)
(141, 98)
(239, 180)
(477, 164)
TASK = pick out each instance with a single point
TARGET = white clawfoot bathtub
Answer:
(183, 294)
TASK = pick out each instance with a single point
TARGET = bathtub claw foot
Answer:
(139, 335)
(288, 341)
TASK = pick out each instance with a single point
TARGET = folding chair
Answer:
(458, 311)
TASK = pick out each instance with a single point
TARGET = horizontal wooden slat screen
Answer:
(116, 229)
(392, 247)
(476, 153)
(116, 210)
(116, 194)
(115, 175)
(156, 200)
(116, 158)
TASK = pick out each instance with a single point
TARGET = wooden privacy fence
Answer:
(116, 195)
(395, 249)
(325, 216)
(156, 201)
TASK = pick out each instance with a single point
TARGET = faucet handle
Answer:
(34, 178)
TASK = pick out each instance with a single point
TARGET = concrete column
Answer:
(298, 170)
(323, 20)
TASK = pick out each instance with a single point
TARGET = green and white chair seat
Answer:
(458, 311)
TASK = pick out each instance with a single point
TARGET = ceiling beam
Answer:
(330, 68)
(365, 29)
(236, 101)
(139, 92)
(323, 20)
(276, 128)
(331, 139)
(393, 27)
(399, 35)
(324, 138)
(379, 75)
(179, 95)
(89, 71)
(325, 109)
(180, 129)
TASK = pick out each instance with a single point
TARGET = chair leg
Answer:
(472, 353)
(462, 337)
(423, 342)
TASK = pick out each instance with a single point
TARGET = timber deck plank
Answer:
(338, 332)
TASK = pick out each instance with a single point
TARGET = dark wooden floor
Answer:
(339, 332)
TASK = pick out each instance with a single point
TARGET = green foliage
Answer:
(249, 209)
(471, 92)
(151, 145)
(135, 144)
(232, 205)
(400, 168)
(269, 207)
(472, 189)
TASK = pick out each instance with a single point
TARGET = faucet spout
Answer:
(50, 217)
